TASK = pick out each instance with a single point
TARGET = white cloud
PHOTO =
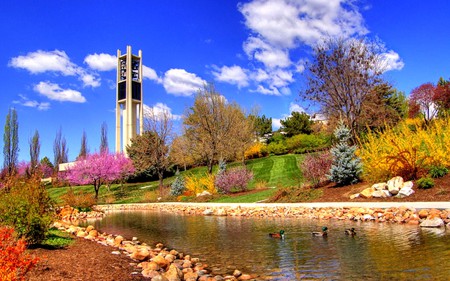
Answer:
(267, 91)
(159, 110)
(55, 92)
(391, 61)
(286, 23)
(24, 101)
(293, 107)
(270, 56)
(90, 80)
(276, 123)
(179, 82)
(150, 73)
(101, 62)
(233, 75)
(53, 61)
(42, 61)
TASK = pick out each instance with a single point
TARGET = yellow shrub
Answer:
(255, 151)
(407, 150)
(198, 184)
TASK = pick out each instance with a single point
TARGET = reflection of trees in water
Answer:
(378, 251)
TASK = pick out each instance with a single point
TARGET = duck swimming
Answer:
(324, 232)
(277, 235)
(350, 231)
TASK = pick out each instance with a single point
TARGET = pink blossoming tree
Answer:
(99, 169)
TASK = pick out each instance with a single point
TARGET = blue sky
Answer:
(57, 58)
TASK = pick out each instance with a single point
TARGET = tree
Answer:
(346, 166)
(60, 149)
(442, 97)
(211, 127)
(341, 77)
(263, 125)
(83, 149)
(99, 169)
(104, 138)
(424, 98)
(151, 149)
(11, 142)
(35, 148)
(180, 153)
(297, 123)
(47, 167)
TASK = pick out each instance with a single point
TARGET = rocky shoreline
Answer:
(160, 263)
(402, 214)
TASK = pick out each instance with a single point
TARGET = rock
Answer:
(140, 254)
(208, 212)
(423, 214)
(161, 261)
(204, 193)
(118, 240)
(93, 233)
(190, 276)
(436, 222)
(173, 273)
(394, 185)
(221, 212)
(245, 277)
(237, 273)
(81, 233)
(353, 196)
(115, 252)
(89, 228)
(149, 273)
(406, 190)
(381, 194)
(367, 193)
(170, 258)
(380, 186)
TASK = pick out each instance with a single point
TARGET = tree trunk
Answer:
(161, 184)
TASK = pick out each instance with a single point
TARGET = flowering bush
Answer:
(233, 180)
(257, 150)
(315, 167)
(14, 262)
(198, 184)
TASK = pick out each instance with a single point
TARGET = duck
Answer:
(277, 234)
(324, 232)
(350, 231)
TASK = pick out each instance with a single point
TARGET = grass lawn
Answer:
(272, 172)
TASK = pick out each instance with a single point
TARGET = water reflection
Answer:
(377, 252)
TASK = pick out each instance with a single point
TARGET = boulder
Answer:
(380, 186)
(204, 193)
(406, 190)
(161, 261)
(423, 214)
(81, 233)
(89, 228)
(436, 222)
(367, 193)
(140, 254)
(353, 196)
(381, 193)
(394, 185)
(208, 212)
(173, 273)
(93, 233)
(118, 240)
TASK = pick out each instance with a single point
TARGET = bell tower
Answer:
(129, 98)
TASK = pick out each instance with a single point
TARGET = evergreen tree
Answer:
(297, 123)
(177, 186)
(346, 167)
(104, 138)
(84, 147)
(35, 148)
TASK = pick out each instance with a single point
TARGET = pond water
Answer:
(377, 252)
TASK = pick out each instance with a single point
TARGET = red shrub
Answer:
(315, 167)
(233, 180)
(14, 262)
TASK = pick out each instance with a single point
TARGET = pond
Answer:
(377, 252)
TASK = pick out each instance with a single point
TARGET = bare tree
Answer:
(35, 148)
(104, 138)
(342, 76)
(151, 149)
(84, 150)
(180, 152)
(11, 142)
(60, 149)
(212, 127)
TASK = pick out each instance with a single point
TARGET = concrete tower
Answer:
(129, 98)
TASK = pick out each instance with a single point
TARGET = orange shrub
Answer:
(14, 262)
